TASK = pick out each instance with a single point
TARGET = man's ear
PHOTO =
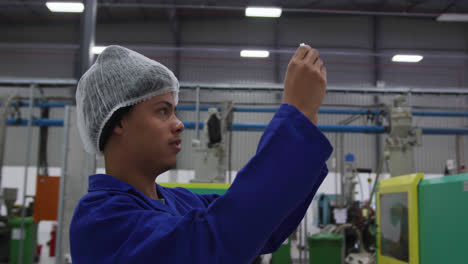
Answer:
(119, 128)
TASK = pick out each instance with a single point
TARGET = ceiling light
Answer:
(407, 58)
(69, 7)
(263, 12)
(453, 18)
(255, 53)
(98, 49)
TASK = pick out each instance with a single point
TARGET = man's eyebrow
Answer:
(166, 103)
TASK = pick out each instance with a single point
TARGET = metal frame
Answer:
(7, 81)
(63, 178)
(343, 51)
(25, 176)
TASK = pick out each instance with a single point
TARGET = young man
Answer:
(126, 104)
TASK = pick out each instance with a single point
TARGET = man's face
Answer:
(151, 133)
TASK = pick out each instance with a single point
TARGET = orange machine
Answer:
(46, 201)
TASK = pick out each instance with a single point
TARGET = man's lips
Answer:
(176, 144)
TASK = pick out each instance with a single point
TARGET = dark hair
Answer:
(110, 125)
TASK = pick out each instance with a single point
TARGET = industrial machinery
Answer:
(353, 219)
(422, 220)
(9, 196)
(18, 231)
(402, 139)
(211, 156)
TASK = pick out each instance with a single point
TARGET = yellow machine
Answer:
(397, 220)
(422, 220)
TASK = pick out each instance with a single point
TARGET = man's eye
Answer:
(163, 111)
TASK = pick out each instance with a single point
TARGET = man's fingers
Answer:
(301, 52)
(323, 70)
(311, 56)
(319, 64)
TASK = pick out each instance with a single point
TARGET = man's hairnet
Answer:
(120, 77)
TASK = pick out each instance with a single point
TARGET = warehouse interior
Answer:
(395, 112)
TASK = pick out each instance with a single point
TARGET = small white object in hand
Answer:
(302, 44)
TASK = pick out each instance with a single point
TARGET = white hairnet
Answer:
(120, 77)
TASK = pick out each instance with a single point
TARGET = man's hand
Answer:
(305, 82)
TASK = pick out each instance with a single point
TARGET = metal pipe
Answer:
(444, 131)
(35, 122)
(378, 137)
(330, 89)
(260, 127)
(41, 105)
(305, 234)
(258, 87)
(63, 175)
(343, 51)
(197, 111)
(3, 117)
(300, 242)
(458, 146)
(275, 109)
(443, 114)
(230, 155)
(37, 81)
(331, 111)
(342, 168)
(25, 176)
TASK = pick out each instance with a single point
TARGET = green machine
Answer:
(29, 240)
(281, 256)
(422, 220)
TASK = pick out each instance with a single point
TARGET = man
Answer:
(126, 111)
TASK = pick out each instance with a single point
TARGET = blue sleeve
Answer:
(235, 228)
(291, 223)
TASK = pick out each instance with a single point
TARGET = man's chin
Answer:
(171, 166)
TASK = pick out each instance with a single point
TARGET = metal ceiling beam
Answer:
(175, 28)
(24, 82)
(377, 75)
(87, 32)
(455, 54)
(241, 8)
(375, 48)
(285, 9)
(277, 55)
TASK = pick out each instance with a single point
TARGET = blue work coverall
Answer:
(116, 223)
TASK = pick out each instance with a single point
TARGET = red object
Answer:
(38, 250)
(463, 168)
(51, 243)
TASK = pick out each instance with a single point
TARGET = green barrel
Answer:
(283, 254)
(29, 242)
(325, 248)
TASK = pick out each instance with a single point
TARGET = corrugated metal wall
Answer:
(352, 33)
(430, 157)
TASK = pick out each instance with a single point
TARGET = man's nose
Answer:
(178, 126)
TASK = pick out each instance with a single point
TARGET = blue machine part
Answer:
(349, 157)
(324, 209)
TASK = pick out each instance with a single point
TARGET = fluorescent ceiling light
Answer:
(453, 18)
(263, 12)
(69, 7)
(255, 53)
(407, 58)
(98, 49)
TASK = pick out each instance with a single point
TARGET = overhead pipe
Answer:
(252, 127)
(269, 87)
(273, 110)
